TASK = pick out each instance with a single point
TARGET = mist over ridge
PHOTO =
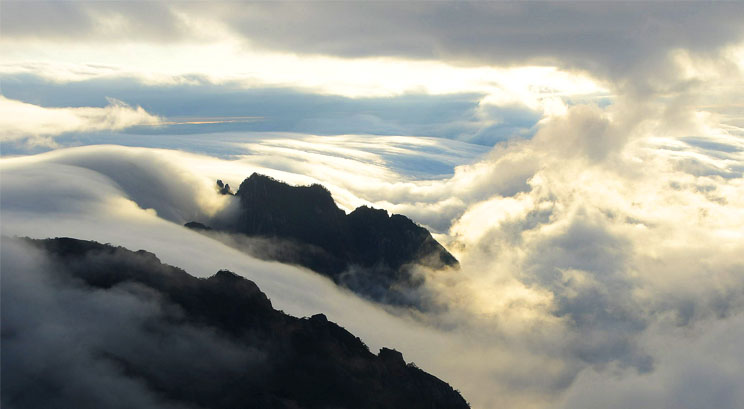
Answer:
(179, 341)
(368, 251)
(468, 324)
(582, 162)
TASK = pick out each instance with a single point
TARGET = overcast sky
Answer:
(584, 161)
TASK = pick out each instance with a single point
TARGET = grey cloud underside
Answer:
(611, 39)
(610, 33)
(80, 20)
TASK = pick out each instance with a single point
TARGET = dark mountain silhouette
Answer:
(368, 251)
(224, 189)
(300, 362)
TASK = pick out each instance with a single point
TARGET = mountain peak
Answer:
(257, 182)
(368, 251)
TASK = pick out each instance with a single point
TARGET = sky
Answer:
(583, 160)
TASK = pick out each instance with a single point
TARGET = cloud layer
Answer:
(600, 238)
(574, 260)
(615, 41)
(36, 125)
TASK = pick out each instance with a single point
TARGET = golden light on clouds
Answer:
(538, 88)
(583, 161)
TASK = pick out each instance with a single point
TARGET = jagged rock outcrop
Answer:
(298, 362)
(223, 188)
(368, 250)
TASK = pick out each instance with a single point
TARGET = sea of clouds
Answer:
(602, 257)
(598, 221)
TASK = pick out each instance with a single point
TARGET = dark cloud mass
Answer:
(92, 20)
(611, 39)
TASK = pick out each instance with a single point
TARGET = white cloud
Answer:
(571, 259)
(36, 125)
(697, 368)
(91, 204)
(594, 256)
(230, 62)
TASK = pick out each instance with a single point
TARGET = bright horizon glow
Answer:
(230, 62)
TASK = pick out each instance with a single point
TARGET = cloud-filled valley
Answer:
(128, 330)
(584, 164)
(563, 276)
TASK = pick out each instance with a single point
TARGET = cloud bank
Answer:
(36, 125)
(230, 107)
(576, 262)
(601, 255)
(611, 40)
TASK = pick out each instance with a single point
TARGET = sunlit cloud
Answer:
(600, 241)
(576, 269)
(36, 125)
(537, 88)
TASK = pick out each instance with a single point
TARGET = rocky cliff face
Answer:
(294, 362)
(368, 251)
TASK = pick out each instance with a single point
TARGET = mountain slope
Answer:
(249, 354)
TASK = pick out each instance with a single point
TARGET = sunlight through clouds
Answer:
(229, 62)
(584, 162)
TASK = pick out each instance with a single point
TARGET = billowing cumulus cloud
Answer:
(36, 125)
